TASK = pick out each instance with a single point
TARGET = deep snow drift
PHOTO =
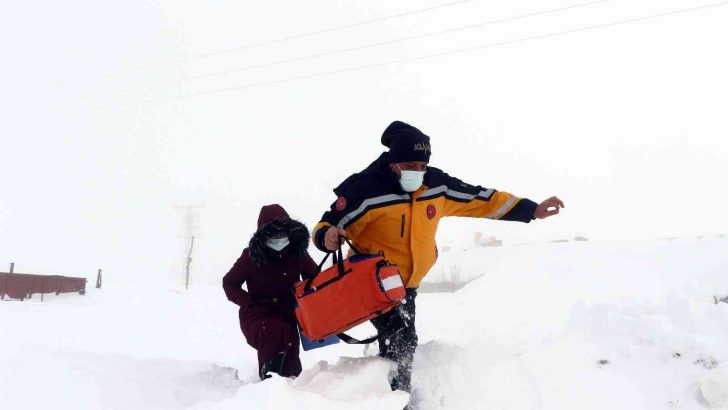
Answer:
(577, 325)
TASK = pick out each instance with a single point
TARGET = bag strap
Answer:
(339, 252)
(321, 265)
(353, 341)
(338, 259)
(351, 245)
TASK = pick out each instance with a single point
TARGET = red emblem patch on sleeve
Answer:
(431, 211)
(340, 203)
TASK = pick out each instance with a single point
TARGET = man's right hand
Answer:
(332, 238)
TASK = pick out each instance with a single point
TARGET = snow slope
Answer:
(577, 325)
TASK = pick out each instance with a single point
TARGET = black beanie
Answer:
(406, 143)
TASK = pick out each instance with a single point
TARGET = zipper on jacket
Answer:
(401, 232)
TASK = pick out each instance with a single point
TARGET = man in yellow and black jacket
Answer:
(394, 206)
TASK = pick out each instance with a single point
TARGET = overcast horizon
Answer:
(619, 108)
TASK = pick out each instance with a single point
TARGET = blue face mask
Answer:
(277, 244)
(410, 181)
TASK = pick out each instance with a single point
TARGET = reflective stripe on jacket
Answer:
(379, 216)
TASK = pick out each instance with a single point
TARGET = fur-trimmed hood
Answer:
(274, 220)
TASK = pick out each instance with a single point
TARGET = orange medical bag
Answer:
(350, 292)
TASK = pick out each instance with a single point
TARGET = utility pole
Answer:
(190, 231)
(189, 260)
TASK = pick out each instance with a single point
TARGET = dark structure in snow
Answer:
(22, 286)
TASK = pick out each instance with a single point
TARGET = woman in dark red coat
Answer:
(274, 260)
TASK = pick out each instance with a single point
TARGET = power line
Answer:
(324, 54)
(241, 48)
(410, 59)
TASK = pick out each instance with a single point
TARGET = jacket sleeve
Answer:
(233, 281)
(346, 212)
(318, 234)
(474, 201)
(308, 267)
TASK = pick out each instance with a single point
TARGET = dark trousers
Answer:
(398, 340)
(271, 332)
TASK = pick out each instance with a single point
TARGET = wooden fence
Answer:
(23, 286)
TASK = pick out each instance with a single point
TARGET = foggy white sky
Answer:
(626, 123)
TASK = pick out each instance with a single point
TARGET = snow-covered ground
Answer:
(576, 325)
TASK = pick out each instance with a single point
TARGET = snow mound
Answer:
(563, 326)
(575, 326)
(352, 383)
(714, 390)
(654, 354)
(351, 378)
(84, 380)
(450, 376)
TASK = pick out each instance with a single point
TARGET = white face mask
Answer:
(277, 244)
(411, 181)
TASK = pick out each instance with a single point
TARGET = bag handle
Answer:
(338, 259)
(351, 245)
(339, 252)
